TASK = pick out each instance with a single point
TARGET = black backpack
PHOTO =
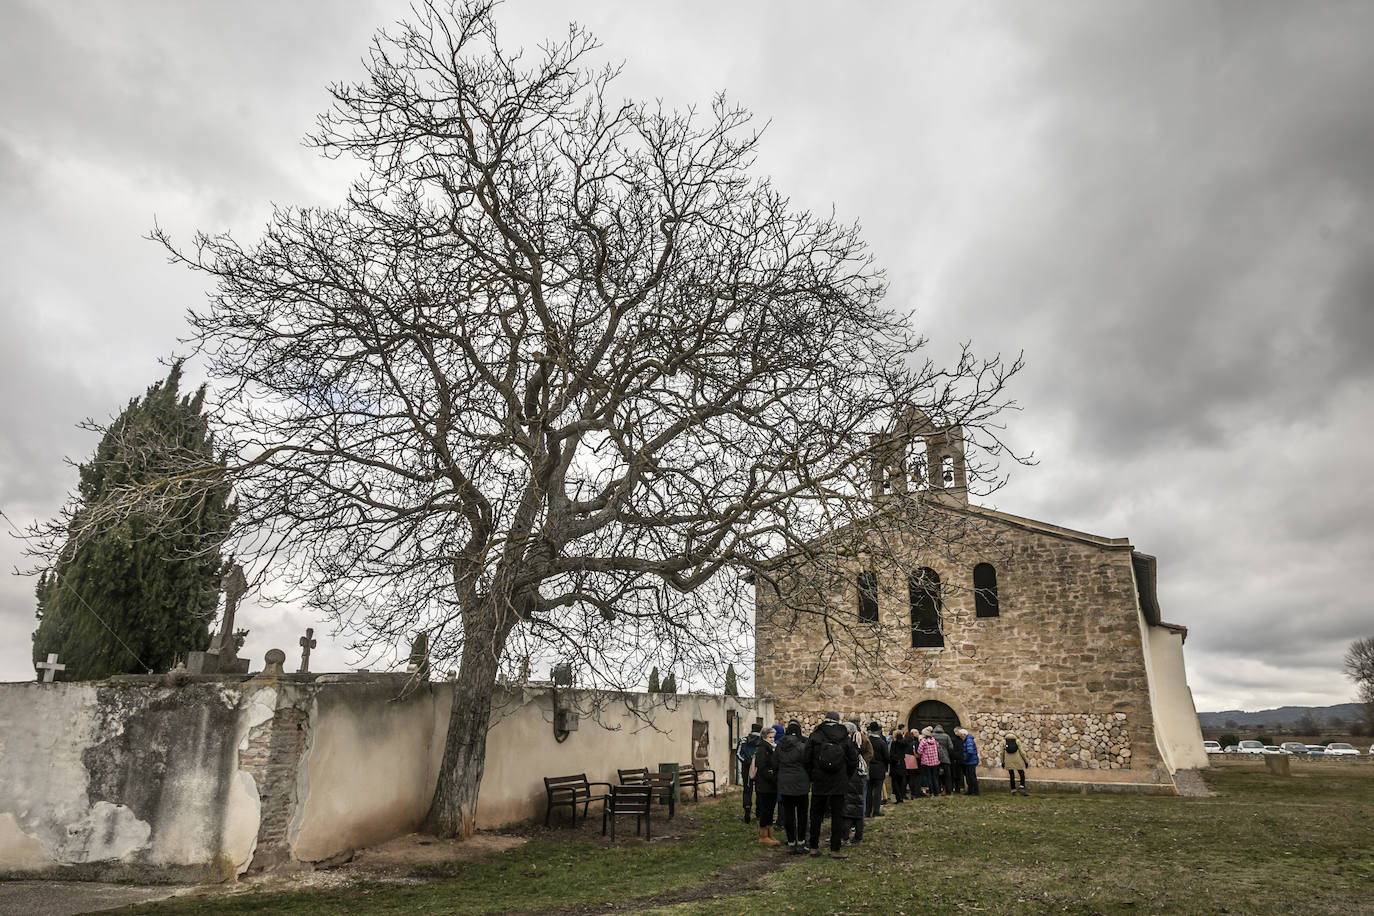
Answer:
(831, 757)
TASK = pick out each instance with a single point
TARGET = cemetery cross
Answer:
(307, 643)
(51, 668)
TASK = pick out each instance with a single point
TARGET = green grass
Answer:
(1265, 845)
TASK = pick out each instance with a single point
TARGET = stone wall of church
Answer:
(1061, 667)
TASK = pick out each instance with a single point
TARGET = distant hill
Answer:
(1284, 715)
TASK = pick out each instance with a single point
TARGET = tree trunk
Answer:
(453, 813)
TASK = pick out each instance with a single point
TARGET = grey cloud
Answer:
(1166, 205)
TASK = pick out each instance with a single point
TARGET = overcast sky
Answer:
(1166, 206)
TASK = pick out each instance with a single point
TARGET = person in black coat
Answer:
(855, 795)
(830, 770)
(897, 750)
(793, 785)
(745, 755)
(765, 767)
(877, 771)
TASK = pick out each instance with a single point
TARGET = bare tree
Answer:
(1359, 667)
(557, 376)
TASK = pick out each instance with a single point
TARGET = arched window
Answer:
(924, 588)
(868, 596)
(985, 590)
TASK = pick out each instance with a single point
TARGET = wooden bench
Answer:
(571, 791)
(631, 800)
(661, 783)
(689, 775)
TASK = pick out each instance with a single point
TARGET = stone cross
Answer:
(307, 643)
(51, 667)
(234, 585)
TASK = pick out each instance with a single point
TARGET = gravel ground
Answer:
(66, 898)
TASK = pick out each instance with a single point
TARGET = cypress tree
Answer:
(653, 680)
(731, 684)
(134, 595)
(669, 684)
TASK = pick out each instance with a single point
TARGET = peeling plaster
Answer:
(42, 777)
(21, 851)
(107, 832)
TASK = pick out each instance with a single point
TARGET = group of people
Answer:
(840, 771)
(929, 762)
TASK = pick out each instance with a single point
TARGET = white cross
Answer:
(51, 667)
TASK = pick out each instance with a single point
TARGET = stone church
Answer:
(1000, 624)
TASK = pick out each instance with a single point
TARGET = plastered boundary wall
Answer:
(132, 780)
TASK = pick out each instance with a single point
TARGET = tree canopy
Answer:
(559, 375)
(138, 593)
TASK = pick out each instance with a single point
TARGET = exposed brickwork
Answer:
(274, 756)
(1062, 665)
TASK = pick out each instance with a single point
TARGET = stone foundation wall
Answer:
(1058, 740)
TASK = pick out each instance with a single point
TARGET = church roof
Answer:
(1145, 575)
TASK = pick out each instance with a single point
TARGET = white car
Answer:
(1250, 747)
(1341, 749)
(1211, 747)
(1294, 747)
(1274, 749)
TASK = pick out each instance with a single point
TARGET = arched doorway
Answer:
(933, 712)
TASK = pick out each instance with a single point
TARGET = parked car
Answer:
(1211, 747)
(1294, 747)
(1316, 750)
(1274, 749)
(1341, 749)
(1250, 747)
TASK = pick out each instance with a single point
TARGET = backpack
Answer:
(748, 747)
(831, 757)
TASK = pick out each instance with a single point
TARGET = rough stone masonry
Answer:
(1064, 664)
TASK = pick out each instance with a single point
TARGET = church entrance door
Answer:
(932, 712)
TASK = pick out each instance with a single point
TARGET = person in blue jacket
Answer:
(970, 759)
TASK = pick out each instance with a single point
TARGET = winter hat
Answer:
(875, 726)
(794, 727)
(832, 714)
(1011, 744)
(758, 727)
(940, 729)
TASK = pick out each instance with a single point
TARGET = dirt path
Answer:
(725, 883)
